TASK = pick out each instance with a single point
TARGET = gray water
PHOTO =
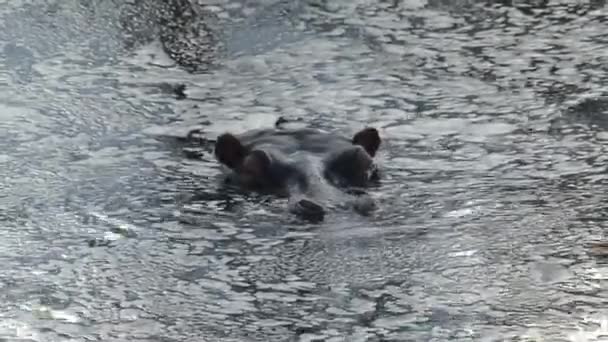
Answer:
(494, 174)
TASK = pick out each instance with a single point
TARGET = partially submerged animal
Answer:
(302, 164)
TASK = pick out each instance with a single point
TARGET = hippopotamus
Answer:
(304, 164)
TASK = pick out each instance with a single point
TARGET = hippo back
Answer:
(295, 141)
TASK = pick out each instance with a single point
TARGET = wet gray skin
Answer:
(493, 182)
(302, 164)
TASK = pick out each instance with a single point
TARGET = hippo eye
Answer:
(353, 166)
(256, 163)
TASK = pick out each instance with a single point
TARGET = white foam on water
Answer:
(586, 334)
(119, 224)
(470, 208)
(15, 329)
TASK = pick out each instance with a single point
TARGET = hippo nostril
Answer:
(308, 210)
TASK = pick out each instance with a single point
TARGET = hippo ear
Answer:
(229, 150)
(369, 139)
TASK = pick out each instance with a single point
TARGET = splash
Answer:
(584, 334)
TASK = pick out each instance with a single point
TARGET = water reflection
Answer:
(492, 191)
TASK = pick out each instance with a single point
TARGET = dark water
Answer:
(494, 174)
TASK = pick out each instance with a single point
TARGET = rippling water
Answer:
(494, 174)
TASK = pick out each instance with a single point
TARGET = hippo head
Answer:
(296, 163)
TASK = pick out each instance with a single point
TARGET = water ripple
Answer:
(493, 167)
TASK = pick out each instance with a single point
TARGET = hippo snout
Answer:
(310, 210)
(307, 209)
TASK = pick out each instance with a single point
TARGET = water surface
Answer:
(494, 174)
